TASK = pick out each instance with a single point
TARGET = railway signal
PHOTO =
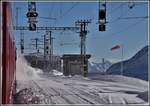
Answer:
(48, 43)
(102, 16)
(31, 15)
(22, 42)
(32, 26)
(46, 47)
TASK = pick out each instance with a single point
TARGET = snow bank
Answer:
(56, 73)
(24, 71)
(122, 79)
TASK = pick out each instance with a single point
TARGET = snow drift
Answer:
(24, 71)
(56, 73)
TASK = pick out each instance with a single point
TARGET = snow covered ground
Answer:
(35, 87)
(50, 89)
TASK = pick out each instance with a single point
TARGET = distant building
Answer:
(72, 64)
(46, 64)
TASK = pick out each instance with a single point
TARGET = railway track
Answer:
(57, 90)
(62, 96)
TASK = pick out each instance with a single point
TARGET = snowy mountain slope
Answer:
(98, 67)
(136, 67)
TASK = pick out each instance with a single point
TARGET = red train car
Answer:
(8, 54)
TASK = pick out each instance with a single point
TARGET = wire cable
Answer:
(121, 31)
(69, 10)
(141, 17)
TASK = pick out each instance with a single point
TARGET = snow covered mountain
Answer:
(98, 67)
(137, 66)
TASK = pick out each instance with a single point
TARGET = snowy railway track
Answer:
(47, 97)
(65, 98)
(77, 93)
(70, 96)
(57, 90)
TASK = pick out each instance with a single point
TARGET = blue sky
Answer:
(132, 33)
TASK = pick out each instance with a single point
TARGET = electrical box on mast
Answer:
(32, 15)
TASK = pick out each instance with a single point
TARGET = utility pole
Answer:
(121, 60)
(51, 48)
(36, 44)
(51, 43)
(21, 42)
(17, 12)
(44, 52)
(48, 43)
(44, 45)
(103, 63)
(83, 33)
(48, 47)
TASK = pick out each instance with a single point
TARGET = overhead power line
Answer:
(52, 9)
(128, 18)
(128, 27)
(70, 9)
(47, 18)
(116, 8)
(123, 30)
(134, 17)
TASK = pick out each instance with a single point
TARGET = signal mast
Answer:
(102, 16)
(32, 15)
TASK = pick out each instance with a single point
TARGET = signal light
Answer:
(102, 27)
(46, 52)
(22, 47)
(102, 15)
(32, 14)
(32, 26)
(46, 47)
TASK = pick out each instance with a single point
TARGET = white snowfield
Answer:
(104, 89)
